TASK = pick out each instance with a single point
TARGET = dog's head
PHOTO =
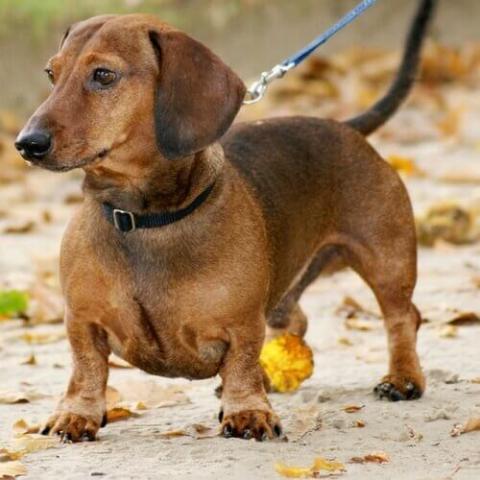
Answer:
(129, 83)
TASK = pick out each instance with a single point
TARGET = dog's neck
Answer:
(154, 184)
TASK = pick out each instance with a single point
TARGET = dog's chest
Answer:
(167, 337)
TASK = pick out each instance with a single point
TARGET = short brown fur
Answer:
(192, 299)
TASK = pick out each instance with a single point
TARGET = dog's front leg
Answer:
(246, 411)
(81, 411)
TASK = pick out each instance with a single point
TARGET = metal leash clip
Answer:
(257, 90)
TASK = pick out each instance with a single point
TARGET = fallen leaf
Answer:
(345, 341)
(446, 221)
(42, 338)
(12, 469)
(472, 425)
(13, 303)
(196, 430)
(475, 380)
(375, 457)
(117, 414)
(359, 423)
(465, 318)
(21, 427)
(350, 308)
(319, 465)
(405, 165)
(352, 408)
(25, 396)
(448, 331)
(357, 324)
(30, 443)
(20, 228)
(31, 360)
(7, 455)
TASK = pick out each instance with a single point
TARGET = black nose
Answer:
(35, 145)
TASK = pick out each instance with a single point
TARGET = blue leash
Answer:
(256, 92)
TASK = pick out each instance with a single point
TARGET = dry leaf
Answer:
(359, 424)
(405, 165)
(357, 324)
(30, 443)
(7, 455)
(320, 465)
(24, 396)
(344, 341)
(375, 457)
(31, 360)
(448, 331)
(475, 380)
(116, 414)
(42, 338)
(350, 308)
(465, 318)
(446, 221)
(197, 431)
(472, 425)
(12, 469)
(352, 408)
(21, 427)
(20, 228)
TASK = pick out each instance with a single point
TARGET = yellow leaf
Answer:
(7, 455)
(21, 427)
(34, 338)
(25, 396)
(12, 469)
(319, 465)
(287, 361)
(119, 413)
(405, 165)
(359, 423)
(448, 331)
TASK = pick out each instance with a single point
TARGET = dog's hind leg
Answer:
(288, 316)
(389, 268)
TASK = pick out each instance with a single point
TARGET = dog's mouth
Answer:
(56, 167)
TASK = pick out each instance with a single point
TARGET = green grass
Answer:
(40, 15)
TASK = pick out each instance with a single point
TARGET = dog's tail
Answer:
(369, 121)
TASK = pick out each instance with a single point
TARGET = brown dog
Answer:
(250, 221)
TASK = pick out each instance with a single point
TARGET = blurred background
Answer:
(250, 35)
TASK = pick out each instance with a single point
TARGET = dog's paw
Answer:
(395, 388)
(72, 427)
(258, 424)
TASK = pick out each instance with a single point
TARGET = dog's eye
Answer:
(104, 77)
(50, 75)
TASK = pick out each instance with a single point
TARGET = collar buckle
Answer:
(124, 221)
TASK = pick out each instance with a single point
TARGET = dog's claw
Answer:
(227, 431)
(45, 430)
(220, 415)
(389, 391)
(104, 421)
(257, 424)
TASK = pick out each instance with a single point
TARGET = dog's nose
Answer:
(34, 145)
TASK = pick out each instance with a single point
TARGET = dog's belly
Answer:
(186, 354)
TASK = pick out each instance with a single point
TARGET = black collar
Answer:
(125, 221)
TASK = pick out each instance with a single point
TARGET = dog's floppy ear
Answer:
(197, 96)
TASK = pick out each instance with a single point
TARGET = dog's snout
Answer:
(34, 145)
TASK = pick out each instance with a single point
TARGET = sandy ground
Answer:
(348, 363)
